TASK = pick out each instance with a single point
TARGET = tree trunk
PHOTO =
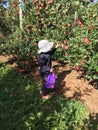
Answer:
(20, 13)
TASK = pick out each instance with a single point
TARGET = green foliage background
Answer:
(65, 22)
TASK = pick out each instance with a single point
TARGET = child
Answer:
(45, 52)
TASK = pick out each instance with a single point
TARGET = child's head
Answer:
(44, 46)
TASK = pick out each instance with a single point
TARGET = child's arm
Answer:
(54, 49)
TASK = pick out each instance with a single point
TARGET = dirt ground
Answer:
(70, 85)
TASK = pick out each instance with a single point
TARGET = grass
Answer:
(21, 106)
(18, 96)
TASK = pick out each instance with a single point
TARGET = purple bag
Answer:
(51, 79)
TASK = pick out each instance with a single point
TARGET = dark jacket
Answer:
(44, 60)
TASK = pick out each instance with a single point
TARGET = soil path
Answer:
(70, 85)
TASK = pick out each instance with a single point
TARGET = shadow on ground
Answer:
(94, 83)
(61, 74)
(93, 124)
(21, 105)
(19, 97)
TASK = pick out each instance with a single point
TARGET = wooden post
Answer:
(20, 13)
(75, 16)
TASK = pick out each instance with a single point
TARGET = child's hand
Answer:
(58, 45)
(51, 70)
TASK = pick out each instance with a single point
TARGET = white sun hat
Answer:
(44, 46)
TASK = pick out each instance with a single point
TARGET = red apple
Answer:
(86, 40)
(68, 25)
(65, 41)
(21, 37)
(77, 67)
(66, 47)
